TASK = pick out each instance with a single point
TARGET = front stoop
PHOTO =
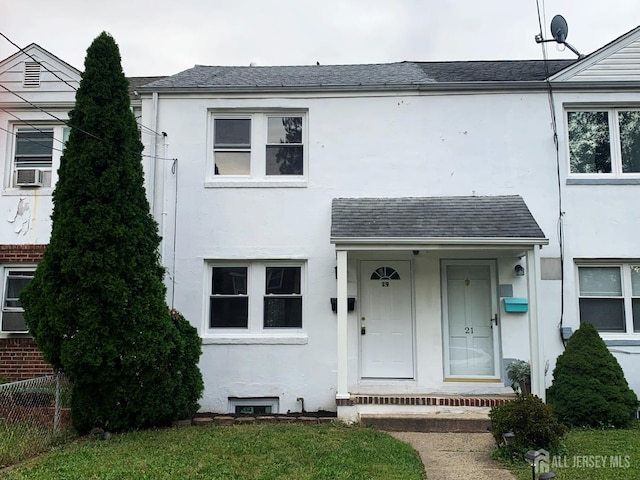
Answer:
(428, 413)
(429, 422)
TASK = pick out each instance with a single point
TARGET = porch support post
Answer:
(535, 326)
(342, 392)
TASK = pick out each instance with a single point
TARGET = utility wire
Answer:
(50, 114)
(554, 123)
(149, 130)
(29, 124)
(38, 129)
(15, 134)
(37, 61)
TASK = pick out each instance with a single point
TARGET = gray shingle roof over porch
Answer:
(488, 217)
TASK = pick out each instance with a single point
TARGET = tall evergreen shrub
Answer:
(589, 388)
(96, 306)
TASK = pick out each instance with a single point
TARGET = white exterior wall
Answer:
(26, 211)
(600, 223)
(358, 146)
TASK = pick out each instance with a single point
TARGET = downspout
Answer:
(162, 201)
(154, 154)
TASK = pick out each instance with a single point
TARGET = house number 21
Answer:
(468, 330)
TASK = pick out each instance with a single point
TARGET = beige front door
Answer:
(470, 323)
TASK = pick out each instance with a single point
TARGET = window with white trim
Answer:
(36, 155)
(15, 279)
(255, 296)
(264, 146)
(609, 297)
(604, 141)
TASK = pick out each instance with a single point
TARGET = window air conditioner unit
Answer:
(29, 177)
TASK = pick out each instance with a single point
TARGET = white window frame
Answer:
(627, 295)
(257, 176)
(255, 332)
(60, 136)
(7, 269)
(614, 142)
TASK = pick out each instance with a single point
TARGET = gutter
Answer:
(440, 241)
(509, 86)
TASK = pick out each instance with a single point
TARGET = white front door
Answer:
(386, 320)
(470, 321)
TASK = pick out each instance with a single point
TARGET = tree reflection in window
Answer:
(629, 122)
(589, 145)
(385, 273)
(284, 146)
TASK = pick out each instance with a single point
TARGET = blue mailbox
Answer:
(516, 305)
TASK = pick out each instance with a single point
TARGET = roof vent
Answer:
(31, 74)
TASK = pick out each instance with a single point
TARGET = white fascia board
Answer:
(433, 243)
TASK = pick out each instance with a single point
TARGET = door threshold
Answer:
(475, 380)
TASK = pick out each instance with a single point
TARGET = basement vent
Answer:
(31, 74)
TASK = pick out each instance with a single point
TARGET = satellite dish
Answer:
(559, 29)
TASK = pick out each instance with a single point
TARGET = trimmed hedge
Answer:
(589, 388)
(533, 423)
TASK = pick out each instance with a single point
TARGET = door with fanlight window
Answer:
(470, 320)
(386, 320)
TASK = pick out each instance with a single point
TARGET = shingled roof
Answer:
(493, 71)
(495, 217)
(405, 74)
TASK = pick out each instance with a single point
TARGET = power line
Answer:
(50, 114)
(37, 61)
(29, 124)
(35, 127)
(60, 78)
(15, 134)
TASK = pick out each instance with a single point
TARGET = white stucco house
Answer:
(386, 237)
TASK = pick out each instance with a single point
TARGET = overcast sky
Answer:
(163, 37)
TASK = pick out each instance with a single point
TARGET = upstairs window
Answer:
(232, 146)
(257, 147)
(284, 146)
(604, 141)
(36, 155)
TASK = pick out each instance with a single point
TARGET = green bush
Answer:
(532, 422)
(589, 388)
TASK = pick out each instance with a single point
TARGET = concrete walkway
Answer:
(455, 456)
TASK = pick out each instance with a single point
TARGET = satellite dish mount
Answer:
(559, 32)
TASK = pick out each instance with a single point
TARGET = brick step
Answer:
(437, 423)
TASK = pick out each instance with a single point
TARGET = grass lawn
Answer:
(258, 451)
(25, 439)
(594, 455)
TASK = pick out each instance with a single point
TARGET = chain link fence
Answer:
(34, 416)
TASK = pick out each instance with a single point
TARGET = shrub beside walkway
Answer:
(455, 456)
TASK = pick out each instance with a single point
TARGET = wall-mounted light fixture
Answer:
(519, 269)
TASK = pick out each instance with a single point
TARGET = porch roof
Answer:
(490, 220)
